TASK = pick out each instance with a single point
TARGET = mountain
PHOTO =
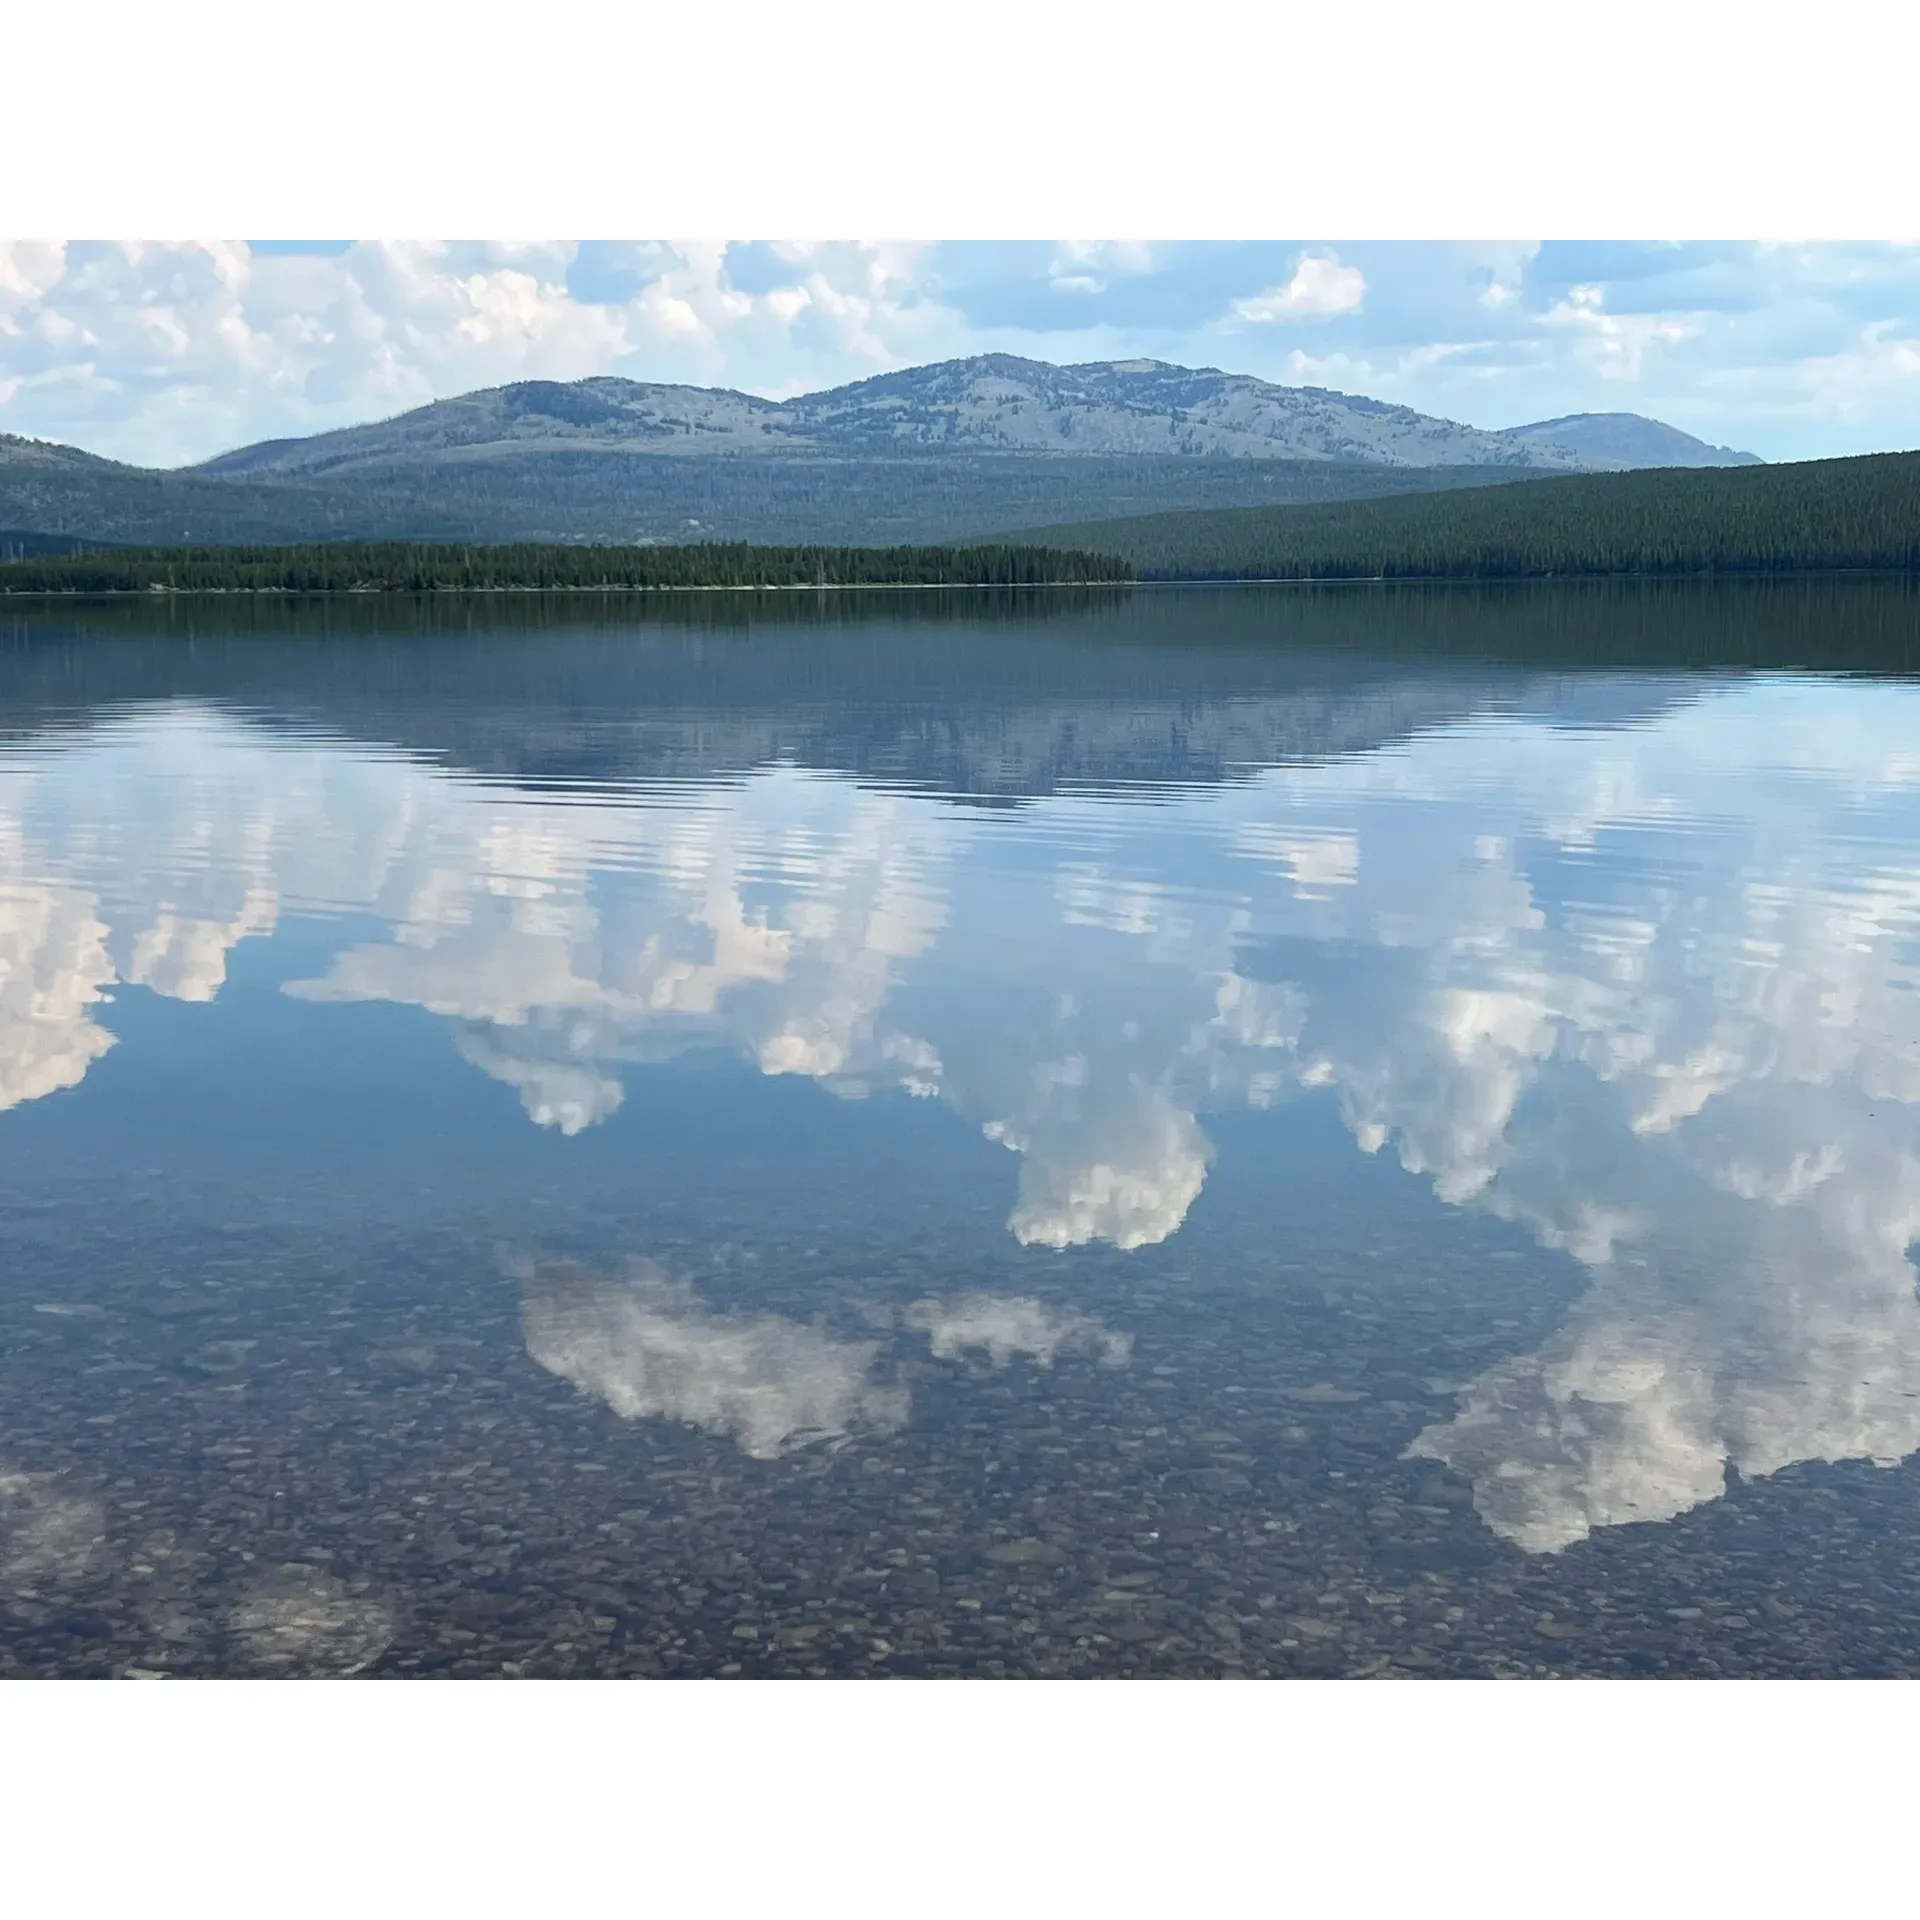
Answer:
(995, 403)
(931, 454)
(1619, 440)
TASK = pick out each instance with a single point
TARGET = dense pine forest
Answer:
(17, 545)
(580, 497)
(1813, 516)
(1860, 514)
(394, 567)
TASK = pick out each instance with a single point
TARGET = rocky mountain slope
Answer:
(994, 403)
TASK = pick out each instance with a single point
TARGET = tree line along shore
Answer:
(1855, 515)
(445, 567)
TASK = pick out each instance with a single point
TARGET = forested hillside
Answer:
(1817, 515)
(622, 497)
(394, 567)
(16, 545)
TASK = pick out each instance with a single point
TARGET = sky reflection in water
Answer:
(1626, 959)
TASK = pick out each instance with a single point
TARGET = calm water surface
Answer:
(1213, 1133)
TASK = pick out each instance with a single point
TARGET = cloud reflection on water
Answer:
(1650, 993)
(650, 1348)
(1006, 1329)
(49, 1534)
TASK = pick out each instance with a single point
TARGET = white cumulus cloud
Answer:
(1320, 287)
(1617, 343)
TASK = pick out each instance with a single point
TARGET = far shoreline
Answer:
(1701, 577)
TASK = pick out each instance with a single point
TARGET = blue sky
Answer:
(166, 353)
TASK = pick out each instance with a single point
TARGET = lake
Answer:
(1194, 1132)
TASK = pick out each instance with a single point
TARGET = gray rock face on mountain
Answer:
(1622, 440)
(995, 403)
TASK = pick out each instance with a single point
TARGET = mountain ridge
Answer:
(921, 455)
(999, 403)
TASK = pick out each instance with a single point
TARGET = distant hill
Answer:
(1814, 515)
(52, 490)
(21, 455)
(1621, 440)
(931, 454)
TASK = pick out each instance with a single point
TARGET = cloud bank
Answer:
(169, 353)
